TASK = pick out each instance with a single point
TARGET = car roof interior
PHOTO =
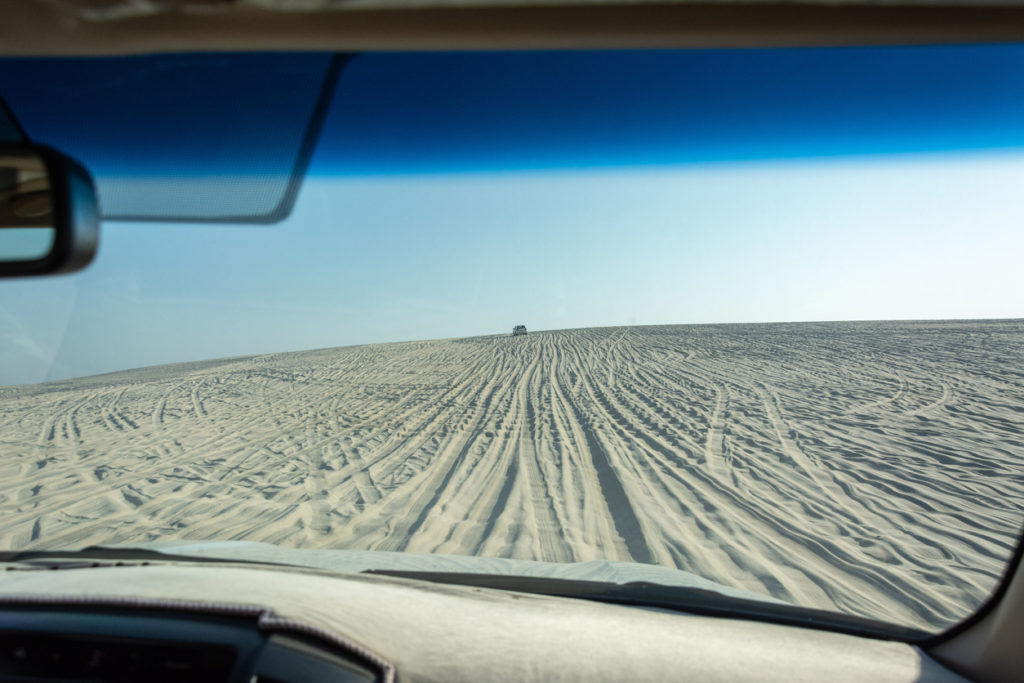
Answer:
(97, 27)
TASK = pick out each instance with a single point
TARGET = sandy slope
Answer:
(872, 468)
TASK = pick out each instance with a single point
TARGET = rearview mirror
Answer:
(49, 222)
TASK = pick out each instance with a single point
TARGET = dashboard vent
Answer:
(39, 657)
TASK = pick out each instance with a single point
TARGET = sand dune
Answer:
(871, 468)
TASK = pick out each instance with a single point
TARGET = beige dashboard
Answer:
(432, 632)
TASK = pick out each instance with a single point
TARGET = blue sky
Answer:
(395, 258)
(841, 189)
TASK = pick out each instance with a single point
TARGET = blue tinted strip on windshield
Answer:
(444, 112)
(413, 113)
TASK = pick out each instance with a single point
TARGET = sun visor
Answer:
(156, 156)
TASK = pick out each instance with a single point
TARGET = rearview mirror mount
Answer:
(49, 220)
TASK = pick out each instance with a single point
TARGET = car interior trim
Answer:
(266, 620)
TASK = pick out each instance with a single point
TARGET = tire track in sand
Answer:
(729, 451)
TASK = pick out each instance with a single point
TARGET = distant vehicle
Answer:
(518, 330)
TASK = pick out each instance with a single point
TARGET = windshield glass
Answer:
(744, 318)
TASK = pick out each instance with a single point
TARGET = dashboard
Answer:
(46, 644)
(182, 621)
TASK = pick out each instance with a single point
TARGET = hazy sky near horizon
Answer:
(380, 259)
(459, 194)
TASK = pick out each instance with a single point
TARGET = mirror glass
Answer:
(27, 221)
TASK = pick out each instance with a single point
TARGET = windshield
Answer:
(746, 319)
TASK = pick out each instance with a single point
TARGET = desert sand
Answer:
(871, 468)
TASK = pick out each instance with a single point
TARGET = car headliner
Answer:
(96, 27)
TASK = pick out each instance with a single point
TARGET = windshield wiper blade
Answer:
(700, 601)
(100, 555)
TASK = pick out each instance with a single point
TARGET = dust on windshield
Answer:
(562, 363)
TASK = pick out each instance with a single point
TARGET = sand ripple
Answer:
(871, 468)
